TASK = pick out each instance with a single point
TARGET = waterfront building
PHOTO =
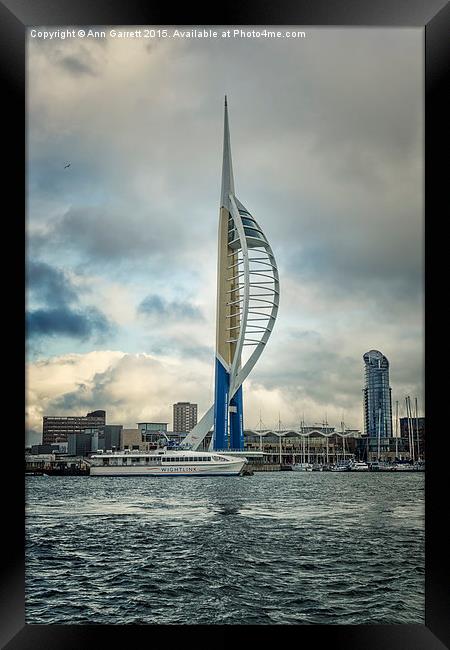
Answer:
(321, 445)
(139, 440)
(95, 443)
(246, 309)
(92, 439)
(109, 436)
(377, 396)
(151, 431)
(131, 439)
(48, 449)
(184, 416)
(417, 426)
(81, 442)
(412, 430)
(56, 428)
(152, 426)
(385, 449)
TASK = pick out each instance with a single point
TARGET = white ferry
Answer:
(165, 463)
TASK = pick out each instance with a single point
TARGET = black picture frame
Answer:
(15, 17)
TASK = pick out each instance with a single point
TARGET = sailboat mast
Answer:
(412, 428)
(343, 438)
(260, 429)
(417, 430)
(396, 429)
(279, 433)
(410, 432)
(303, 446)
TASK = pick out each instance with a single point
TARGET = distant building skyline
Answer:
(55, 428)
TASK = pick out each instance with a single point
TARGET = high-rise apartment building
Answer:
(56, 428)
(184, 416)
(377, 396)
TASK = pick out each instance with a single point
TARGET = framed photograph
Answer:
(224, 269)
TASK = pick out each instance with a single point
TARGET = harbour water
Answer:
(273, 548)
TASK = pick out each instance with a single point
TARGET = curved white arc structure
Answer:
(239, 374)
(235, 366)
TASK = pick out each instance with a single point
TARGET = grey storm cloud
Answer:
(154, 305)
(49, 284)
(83, 397)
(104, 234)
(65, 321)
(57, 314)
(76, 66)
(75, 57)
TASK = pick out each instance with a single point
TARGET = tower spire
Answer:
(227, 165)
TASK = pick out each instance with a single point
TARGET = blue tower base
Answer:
(222, 388)
(237, 421)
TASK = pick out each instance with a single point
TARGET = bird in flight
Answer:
(67, 165)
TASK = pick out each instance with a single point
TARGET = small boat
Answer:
(382, 467)
(359, 466)
(404, 467)
(302, 467)
(341, 467)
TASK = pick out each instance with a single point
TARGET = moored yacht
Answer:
(302, 467)
(382, 467)
(404, 467)
(359, 466)
(340, 467)
(165, 462)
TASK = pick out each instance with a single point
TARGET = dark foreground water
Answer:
(282, 547)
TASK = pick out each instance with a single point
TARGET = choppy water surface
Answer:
(282, 547)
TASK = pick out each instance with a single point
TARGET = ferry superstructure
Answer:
(165, 463)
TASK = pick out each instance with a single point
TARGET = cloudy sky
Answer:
(327, 142)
